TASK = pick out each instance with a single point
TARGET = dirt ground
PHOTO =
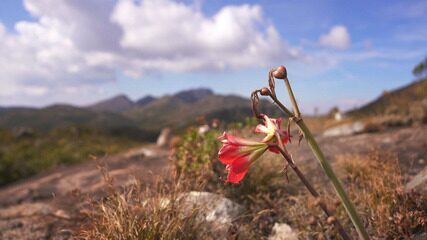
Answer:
(47, 206)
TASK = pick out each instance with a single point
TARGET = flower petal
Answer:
(261, 129)
(237, 171)
(229, 153)
(228, 138)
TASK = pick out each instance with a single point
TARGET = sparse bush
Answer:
(195, 158)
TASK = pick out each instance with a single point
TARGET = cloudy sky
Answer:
(79, 51)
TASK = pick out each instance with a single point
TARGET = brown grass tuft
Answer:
(136, 211)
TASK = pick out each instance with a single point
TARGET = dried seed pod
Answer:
(331, 219)
(265, 92)
(280, 72)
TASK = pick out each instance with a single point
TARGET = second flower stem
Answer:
(311, 189)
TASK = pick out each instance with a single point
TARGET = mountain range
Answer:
(150, 114)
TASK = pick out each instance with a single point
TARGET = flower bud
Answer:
(280, 72)
(265, 91)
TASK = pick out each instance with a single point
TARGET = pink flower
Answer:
(238, 154)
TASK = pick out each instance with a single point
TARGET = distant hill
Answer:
(119, 104)
(183, 108)
(400, 98)
(116, 104)
(144, 101)
(194, 95)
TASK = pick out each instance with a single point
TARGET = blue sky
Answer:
(342, 53)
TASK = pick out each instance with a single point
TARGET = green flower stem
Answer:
(324, 163)
(293, 100)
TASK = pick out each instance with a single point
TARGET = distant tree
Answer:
(420, 70)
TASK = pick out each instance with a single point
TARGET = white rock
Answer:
(212, 207)
(344, 130)
(282, 231)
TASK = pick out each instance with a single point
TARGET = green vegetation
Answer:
(25, 152)
(420, 68)
(58, 116)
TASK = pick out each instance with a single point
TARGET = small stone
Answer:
(214, 207)
(282, 231)
(62, 214)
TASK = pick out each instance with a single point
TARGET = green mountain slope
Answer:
(400, 99)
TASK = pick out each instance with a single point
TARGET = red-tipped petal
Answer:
(238, 170)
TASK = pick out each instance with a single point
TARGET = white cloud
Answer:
(84, 43)
(180, 38)
(338, 37)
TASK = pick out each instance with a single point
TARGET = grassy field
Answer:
(27, 153)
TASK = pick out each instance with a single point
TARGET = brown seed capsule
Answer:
(331, 219)
(280, 72)
(265, 92)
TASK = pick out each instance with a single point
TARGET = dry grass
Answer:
(376, 185)
(138, 212)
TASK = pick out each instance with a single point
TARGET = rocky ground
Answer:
(47, 206)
